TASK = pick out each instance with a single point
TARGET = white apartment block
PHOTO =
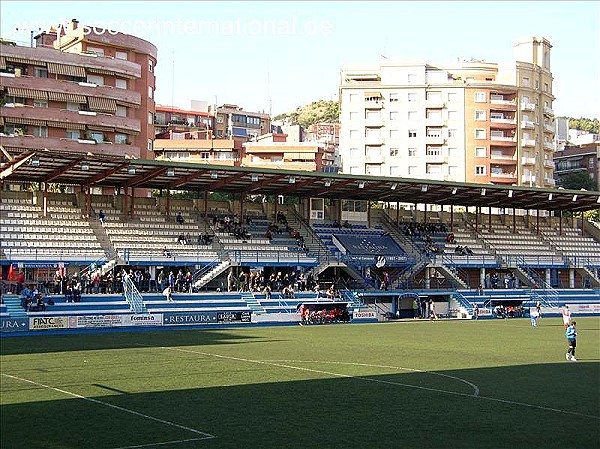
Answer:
(466, 121)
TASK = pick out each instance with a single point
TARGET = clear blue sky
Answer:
(279, 55)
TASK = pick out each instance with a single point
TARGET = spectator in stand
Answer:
(347, 225)
(179, 218)
(168, 293)
(450, 238)
(101, 216)
(268, 235)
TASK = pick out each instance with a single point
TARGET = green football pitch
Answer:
(406, 384)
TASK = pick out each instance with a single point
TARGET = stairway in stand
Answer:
(13, 306)
(253, 303)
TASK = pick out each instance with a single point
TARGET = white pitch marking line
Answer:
(163, 443)
(123, 409)
(367, 379)
(472, 385)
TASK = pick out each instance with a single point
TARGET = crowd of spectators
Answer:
(314, 314)
(286, 283)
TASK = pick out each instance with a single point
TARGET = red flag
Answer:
(11, 273)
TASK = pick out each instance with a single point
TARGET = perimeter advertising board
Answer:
(14, 324)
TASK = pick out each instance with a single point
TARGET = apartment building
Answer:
(274, 151)
(469, 121)
(584, 157)
(197, 150)
(175, 123)
(232, 122)
(78, 91)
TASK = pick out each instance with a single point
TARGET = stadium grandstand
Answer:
(92, 241)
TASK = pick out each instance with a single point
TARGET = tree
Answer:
(584, 124)
(578, 180)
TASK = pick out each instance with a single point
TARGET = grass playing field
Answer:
(445, 384)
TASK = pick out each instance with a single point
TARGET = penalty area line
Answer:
(368, 379)
(204, 435)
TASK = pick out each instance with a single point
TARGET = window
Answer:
(121, 111)
(40, 103)
(354, 134)
(72, 106)
(353, 115)
(537, 84)
(355, 170)
(374, 170)
(150, 145)
(479, 115)
(480, 170)
(73, 134)
(120, 83)
(500, 116)
(412, 133)
(452, 153)
(412, 78)
(525, 82)
(479, 97)
(394, 170)
(121, 55)
(98, 136)
(40, 131)
(412, 152)
(394, 134)
(353, 98)
(452, 97)
(393, 152)
(150, 118)
(393, 97)
(452, 170)
(96, 79)
(96, 50)
(413, 170)
(412, 115)
(480, 152)
(452, 115)
(121, 139)
(354, 153)
(433, 151)
(394, 115)
(452, 133)
(150, 65)
(525, 99)
(373, 115)
(412, 96)
(497, 133)
(480, 134)
(40, 72)
(150, 92)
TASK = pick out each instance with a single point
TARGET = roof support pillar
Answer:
(168, 206)
(452, 218)
(514, 220)
(489, 219)
(425, 214)
(45, 200)
(537, 221)
(88, 200)
(397, 212)
(477, 219)
(560, 217)
(132, 206)
(125, 203)
(205, 203)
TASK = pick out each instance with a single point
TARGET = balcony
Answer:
(528, 160)
(374, 122)
(55, 143)
(502, 102)
(527, 107)
(434, 121)
(374, 159)
(504, 176)
(435, 104)
(374, 140)
(435, 140)
(527, 124)
(436, 159)
(548, 128)
(527, 142)
(510, 139)
(528, 179)
(548, 146)
(549, 181)
(42, 115)
(504, 121)
(548, 163)
(374, 104)
(548, 111)
(502, 159)
(61, 90)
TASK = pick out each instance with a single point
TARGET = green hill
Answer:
(315, 112)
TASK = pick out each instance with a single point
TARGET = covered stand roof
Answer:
(117, 171)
